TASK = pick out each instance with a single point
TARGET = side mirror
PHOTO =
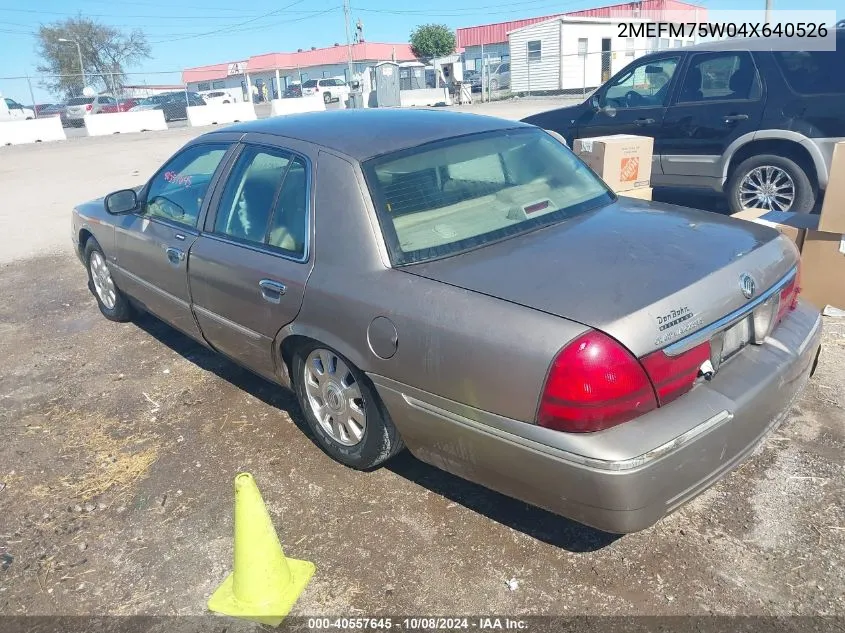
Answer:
(122, 202)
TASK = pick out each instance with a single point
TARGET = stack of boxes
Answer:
(623, 161)
(820, 238)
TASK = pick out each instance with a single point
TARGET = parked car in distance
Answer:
(80, 107)
(174, 105)
(473, 78)
(500, 77)
(12, 110)
(663, 349)
(330, 89)
(39, 108)
(212, 97)
(756, 124)
(123, 105)
(293, 90)
(54, 109)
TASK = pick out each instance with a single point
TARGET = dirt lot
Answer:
(120, 443)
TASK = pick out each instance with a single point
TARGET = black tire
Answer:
(805, 191)
(122, 310)
(327, 97)
(380, 440)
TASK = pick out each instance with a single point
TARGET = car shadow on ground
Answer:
(534, 522)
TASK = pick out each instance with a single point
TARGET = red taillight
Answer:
(594, 383)
(673, 376)
(789, 295)
(88, 106)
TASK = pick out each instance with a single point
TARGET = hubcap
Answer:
(334, 397)
(103, 284)
(768, 187)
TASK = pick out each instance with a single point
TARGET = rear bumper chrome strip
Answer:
(706, 333)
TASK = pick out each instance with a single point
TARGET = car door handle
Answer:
(643, 121)
(272, 291)
(175, 255)
(735, 117)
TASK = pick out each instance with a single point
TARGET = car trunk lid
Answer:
(645, 273)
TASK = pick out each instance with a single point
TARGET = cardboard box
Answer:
(643, 193)
(823, 269)
(623, 160)
(793, 225)
(833, 208)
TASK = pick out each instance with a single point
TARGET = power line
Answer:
(123, 15)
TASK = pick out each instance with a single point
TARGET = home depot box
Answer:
(833, 208)
(793, 225)
(623, 160)
(643, 193)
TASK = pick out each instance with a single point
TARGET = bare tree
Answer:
(106, 53)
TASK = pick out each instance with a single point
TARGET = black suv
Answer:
(731, 116)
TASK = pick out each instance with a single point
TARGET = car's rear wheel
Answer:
(343, 409)
(327, 97)
(770, 182)
(112, 302)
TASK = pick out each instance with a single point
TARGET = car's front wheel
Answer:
(767, 181)
(112, 302)
(343, 409)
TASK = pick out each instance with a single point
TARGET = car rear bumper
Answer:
(594, 480)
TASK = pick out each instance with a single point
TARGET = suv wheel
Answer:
(770, 182)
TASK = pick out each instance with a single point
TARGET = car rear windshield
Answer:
(311, 83)
(813, 72)
(81, 101)
(447, 197)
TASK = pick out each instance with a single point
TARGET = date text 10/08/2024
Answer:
(417, 623)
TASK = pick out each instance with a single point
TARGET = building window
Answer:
(630, 47)
(664, 43)
(218, 85)
(203, 86)
(679, 43)
(534, 50)
(582, 46)
(325, 74)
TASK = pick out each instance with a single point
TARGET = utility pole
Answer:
(768, 11)
(346, 19)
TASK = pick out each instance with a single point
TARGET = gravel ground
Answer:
(120, 442)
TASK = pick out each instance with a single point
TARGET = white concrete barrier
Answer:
(114, 122)
(296, 105)
(424, 97)
(31, 131)
(220, 113)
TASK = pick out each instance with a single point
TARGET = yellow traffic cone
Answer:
(265, 584)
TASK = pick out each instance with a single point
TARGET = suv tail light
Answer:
(594, 383)
(88, 107)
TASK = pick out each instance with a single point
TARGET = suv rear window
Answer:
(311, 83)
(444, 198)
(812, 72)
(81, 101)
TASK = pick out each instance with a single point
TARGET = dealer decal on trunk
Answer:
(682, 318)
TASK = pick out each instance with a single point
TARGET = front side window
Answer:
(264, 201)
(643, 85)
(441, 199)
(534, 50)
(176, 193)
(720, 77)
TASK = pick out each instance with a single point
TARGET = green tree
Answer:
(106, 54)
(432, 40)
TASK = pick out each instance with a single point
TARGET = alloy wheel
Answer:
(103, 283)
(334, 397)
(768, 187)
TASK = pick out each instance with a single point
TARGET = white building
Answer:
(571, 54)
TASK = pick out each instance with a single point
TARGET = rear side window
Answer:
(812, 72)
(81, 101)
(311, 83)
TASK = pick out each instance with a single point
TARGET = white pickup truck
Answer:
(11, 110)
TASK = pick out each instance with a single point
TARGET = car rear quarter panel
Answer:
(484, 352)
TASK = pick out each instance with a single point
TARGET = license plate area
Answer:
(731, 341)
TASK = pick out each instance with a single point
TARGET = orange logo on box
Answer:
(630, 169)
